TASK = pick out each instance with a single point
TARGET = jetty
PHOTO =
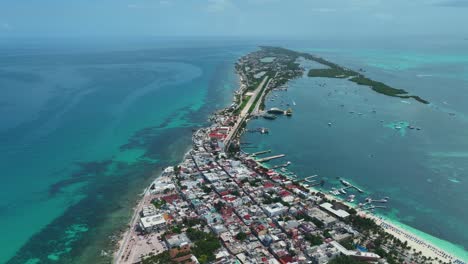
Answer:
(310, 178)
(260, 152)
(271, 158)
(282, 165)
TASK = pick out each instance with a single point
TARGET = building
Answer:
(323, 217)
(275, 209)
(179, 240)
(337, 212)
(365, 256)
(153, 223)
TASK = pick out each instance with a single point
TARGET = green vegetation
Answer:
(163, 258)
(206, 189)
(245, 100)
(241, 236)
(303, 216)
(330, 73)
(327, 234)
(317, 223)
(252, 107)
(158, 203)
(313, 240)
(345, 260)
(348, 243)
(190, 222)
(334, 71)
(269, 200)
(205, 245)
(385, 89)
(363, 224)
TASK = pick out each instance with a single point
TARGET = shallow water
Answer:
(84, 131)
(422, 171)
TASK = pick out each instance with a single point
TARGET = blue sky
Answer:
(55, 18)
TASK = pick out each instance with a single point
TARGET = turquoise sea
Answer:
(86, 125)
(424, 172)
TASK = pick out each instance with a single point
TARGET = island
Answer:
(222, 205)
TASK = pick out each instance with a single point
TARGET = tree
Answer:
(313, 240)
(345, 260)
(241, 236)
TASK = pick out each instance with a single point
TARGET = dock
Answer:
(271, 158)
(260, 153)
(357, 189)
(282, 165)
(374, 207)
(309, 178)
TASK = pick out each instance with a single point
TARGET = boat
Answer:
(397, 127)
(288, 112)
(342, 191)
(351, 198)
(329, 124)
(294, 103)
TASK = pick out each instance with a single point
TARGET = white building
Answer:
(153, 223)
(340, 212)
(275, 209)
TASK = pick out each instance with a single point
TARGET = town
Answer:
(222, 205)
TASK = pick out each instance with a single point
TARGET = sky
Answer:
(64, 18)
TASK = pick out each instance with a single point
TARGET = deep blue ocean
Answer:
(85, 125)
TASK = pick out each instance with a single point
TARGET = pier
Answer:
(271, 158)
(282, 165)
(357, 189)
(374, 207)
(309, 179)
(260, 153)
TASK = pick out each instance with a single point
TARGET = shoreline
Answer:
(397, 230)
(414, 240)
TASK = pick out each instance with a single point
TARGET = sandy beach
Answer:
(419, 244)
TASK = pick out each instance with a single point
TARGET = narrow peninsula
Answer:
(222, 205)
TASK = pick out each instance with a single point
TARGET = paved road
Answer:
(245, 112)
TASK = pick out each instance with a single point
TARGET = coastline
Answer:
(404, 232)
(391, 227)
